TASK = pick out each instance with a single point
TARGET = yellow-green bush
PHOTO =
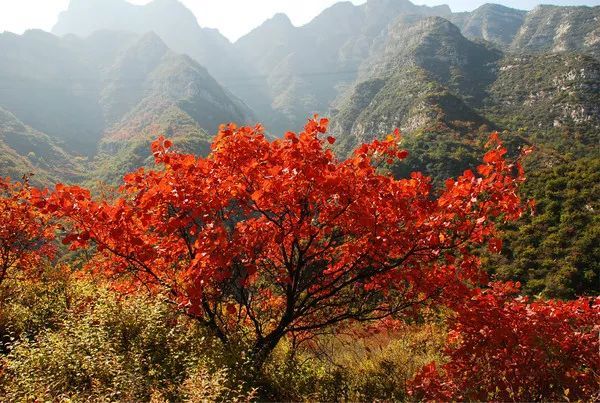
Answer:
(75, 340)
(101, 346)
(26, 308)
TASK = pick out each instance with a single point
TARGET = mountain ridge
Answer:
(372, 66)
(286, 72)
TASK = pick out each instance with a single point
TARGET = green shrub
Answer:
(104, 348)
(27, 308)
(73, 340)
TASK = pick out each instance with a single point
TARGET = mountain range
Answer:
(286, 73)
(113, 74)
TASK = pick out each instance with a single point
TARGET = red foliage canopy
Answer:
(279, 236)
(509, 349)
(25, 233)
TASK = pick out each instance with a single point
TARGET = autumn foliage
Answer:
(270, 238)
(507, 348)
(26, 233)
(266, 239)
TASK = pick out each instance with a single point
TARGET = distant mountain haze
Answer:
(169, 19)
(86, 95)
(286, 73)
(233, 18)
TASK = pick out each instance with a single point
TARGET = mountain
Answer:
(306, 67)
(490, 22)
(149, 75)
(287, 73)
(445, 92)
(106, 96)
(553, 97)
(169, 19)
(45, 83)
(544, 29)
(150, 91)
(560, 29)
(178, 28)
(427, 76)
(375, 66)
(24, 150)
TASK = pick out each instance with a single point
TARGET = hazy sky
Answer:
(232, 17)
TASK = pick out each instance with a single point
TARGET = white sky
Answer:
(233, 18)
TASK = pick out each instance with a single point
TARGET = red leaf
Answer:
(495, 245)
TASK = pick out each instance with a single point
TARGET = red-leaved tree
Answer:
(25, 232)
(506, 348)
(266, 238)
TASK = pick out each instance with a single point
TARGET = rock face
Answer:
(546, 91)
(560, 29)
(491, 22)
(544, 29)
(446, 92)
(433, 78)
(74, 95)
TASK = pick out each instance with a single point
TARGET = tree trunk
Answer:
(3, 272)
(263, 348)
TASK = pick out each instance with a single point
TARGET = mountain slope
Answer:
(560, 29)
(48, 86)
(431, 79)
(556, 96)
(106, 91)
(556, 252)
(544, 29)
(153, 91)
(306, 67)
(446, 92)
(491, 22)
(24, 150)
(148, 70)
(548, 100)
